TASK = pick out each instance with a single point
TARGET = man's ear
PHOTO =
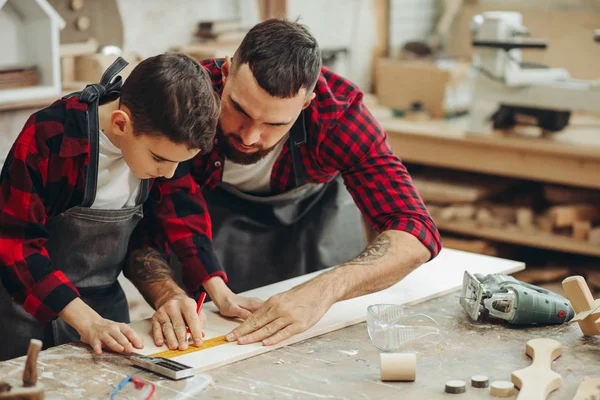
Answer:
(121, 122)
(309, 99)
(226, 68)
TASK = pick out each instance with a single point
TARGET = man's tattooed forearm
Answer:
(376, 250)
(148, 265)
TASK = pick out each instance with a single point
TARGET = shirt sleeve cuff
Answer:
(49, 296)
(427, 234)
(198, 264)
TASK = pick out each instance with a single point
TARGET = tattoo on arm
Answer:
(376, 250)
(148, 266)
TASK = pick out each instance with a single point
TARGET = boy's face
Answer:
(153, 155)
(252, 121)
(148, 154)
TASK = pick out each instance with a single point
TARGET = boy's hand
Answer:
(229, 303)
(99, 332)
(171, 319)
(117, 336)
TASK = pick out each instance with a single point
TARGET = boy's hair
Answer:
(172, 94)
(282, 55)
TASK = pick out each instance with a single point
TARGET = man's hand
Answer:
(171, 319)
(99, 332)
(229, 303)
(284, 315)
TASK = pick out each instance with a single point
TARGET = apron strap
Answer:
(107, 90)
(297, 139)
(144, 191)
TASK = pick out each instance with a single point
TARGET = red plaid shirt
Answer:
(342, 137)
(43, 176)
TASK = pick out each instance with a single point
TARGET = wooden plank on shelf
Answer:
(445, 144)
(440, 276)
(440, 186)
(539, 239)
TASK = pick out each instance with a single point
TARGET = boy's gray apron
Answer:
(262, 240)
(88, 245)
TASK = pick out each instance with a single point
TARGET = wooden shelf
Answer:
(514, 235)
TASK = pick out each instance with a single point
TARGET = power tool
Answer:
(499, 296)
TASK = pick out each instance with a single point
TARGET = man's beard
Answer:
(240, 157)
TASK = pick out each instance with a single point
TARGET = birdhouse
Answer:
(29, 44)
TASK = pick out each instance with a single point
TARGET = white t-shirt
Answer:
(253, 178)
(117, 186)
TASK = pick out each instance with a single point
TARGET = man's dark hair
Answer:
(282, 55)
(172, 95)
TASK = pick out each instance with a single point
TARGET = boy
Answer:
(71, 193)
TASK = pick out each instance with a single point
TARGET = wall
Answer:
(153, 26)
(342, 23)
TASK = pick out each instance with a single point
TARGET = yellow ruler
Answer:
(206, 344)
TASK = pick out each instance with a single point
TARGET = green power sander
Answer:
(499, 296)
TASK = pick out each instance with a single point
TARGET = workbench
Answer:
(339, 365)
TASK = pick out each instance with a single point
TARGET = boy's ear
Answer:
(226, 68)
(121, 121)
(309, 99)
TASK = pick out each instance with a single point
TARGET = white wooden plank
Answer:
(438, 277)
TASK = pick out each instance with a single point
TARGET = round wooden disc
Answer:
(456, 387)
(480, 381)
(82, 23)
(502, 388)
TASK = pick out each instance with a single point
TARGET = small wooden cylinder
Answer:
(398, 367)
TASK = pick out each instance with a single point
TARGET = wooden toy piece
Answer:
(480, 381)
(587, 310)
(502, 389)
(29, 391)
(456, 387)
(398, 367)
(588, 390)
(538, 380)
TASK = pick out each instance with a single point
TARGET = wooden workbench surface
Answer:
(340, 365)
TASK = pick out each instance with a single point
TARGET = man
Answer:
(291, 135)
(71, 193)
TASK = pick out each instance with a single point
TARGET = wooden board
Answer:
(441, 186)
(441, 276)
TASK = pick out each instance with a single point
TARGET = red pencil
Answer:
(199, 306)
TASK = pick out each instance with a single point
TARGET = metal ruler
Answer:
(206, 344)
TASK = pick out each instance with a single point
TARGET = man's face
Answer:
(252, 121)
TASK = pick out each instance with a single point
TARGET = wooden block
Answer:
(544, 223)
(594, 236)
(502, 389)
(570, 195)
(67, 64)
(398, 367)
(588, 388)
(581, 230)
(538, 380)
(565, 216)
(31, 393)
(30, 371)
(524, 217)
(79, 49)
(587, 310)
(457, 211)
(456, 387)
(480, 381)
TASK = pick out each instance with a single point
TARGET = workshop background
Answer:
(501, 176)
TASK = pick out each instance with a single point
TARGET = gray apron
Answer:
(88, 245)
(262, 240)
